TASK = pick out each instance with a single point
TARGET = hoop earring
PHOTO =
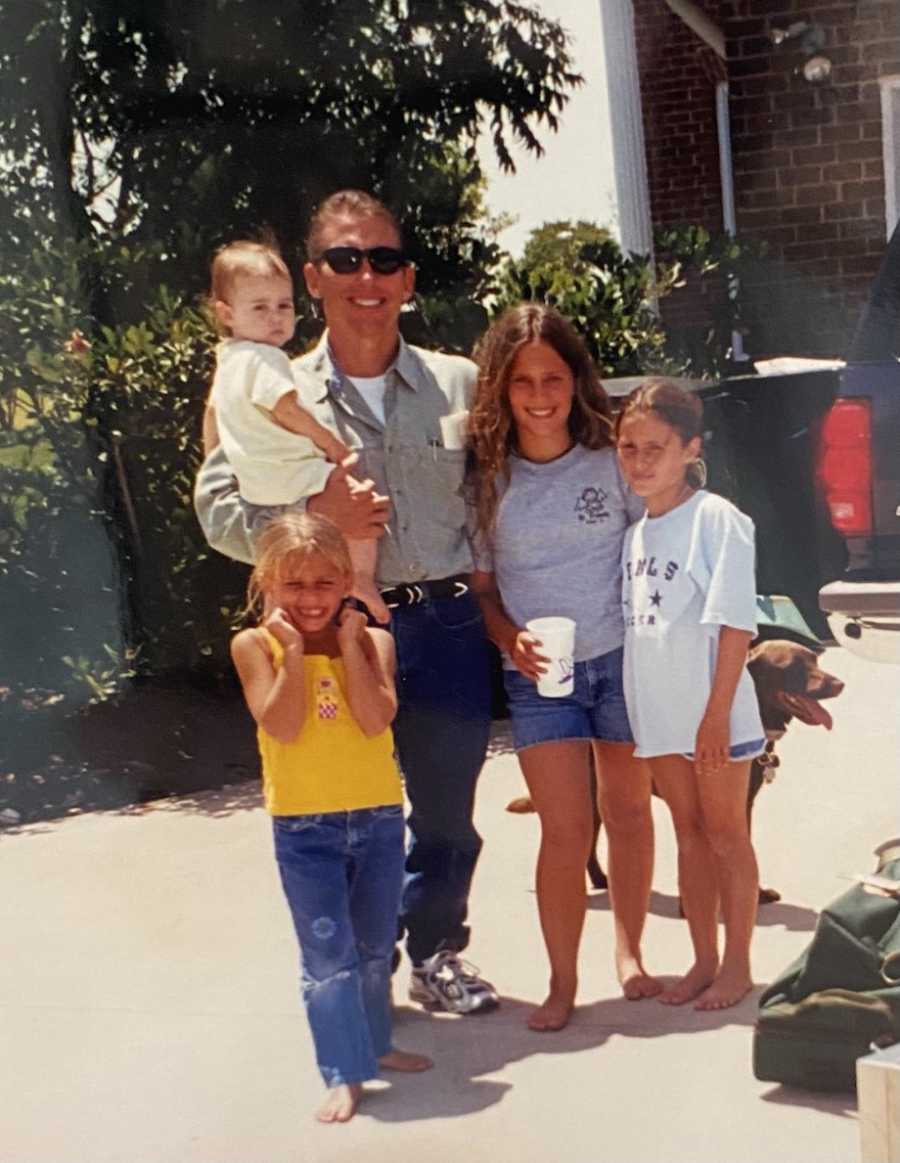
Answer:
(699, 469)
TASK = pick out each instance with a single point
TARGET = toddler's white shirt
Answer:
(273, 466)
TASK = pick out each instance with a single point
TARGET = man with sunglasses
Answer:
(385, 400)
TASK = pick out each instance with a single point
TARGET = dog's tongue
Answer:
(814, 713)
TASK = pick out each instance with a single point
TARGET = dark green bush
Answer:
(103, 569)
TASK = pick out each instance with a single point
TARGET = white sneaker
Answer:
(446, 982)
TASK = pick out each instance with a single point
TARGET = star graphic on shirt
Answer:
(656, 598)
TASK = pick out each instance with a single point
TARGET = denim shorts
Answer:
(594, 710)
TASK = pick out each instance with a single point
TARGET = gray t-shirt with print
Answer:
(557, 544)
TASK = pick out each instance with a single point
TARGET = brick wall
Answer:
(678, 79)
(807, 159)
(678, 100)
(808, 168)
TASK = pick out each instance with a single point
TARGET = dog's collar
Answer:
(768, 761)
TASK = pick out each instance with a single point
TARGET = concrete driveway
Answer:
(149, 1004)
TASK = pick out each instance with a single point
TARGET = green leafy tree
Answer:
(181, 124)
(135, 138)
(617, 301)
(581, 270)
(100, 556)
(103, 570)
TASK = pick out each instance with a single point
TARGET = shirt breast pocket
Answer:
(434, 481)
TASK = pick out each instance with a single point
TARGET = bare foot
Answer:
(726, 990)
(636, 983)
(553, 1014)
(404, 1061)
(365, 589)
(694, 982)
(340, 1103)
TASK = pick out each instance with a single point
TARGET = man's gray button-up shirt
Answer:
(405, 457)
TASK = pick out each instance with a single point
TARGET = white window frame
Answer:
(890, 90)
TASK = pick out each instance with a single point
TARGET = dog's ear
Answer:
(768, 659)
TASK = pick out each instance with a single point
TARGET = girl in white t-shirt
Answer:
(689, 603)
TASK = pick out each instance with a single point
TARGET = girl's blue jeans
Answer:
(342, 874)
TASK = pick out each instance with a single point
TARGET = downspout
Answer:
(726, 180)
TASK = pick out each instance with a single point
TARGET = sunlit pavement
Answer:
(150, 1009)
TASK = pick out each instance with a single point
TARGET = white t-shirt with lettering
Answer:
(684, 576)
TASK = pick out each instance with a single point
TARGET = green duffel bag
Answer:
(840, 998)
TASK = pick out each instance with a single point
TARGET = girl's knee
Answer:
(626, 816)
(691, 834)
(731, 842)
(565, 841)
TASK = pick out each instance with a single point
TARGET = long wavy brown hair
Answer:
(491, 427)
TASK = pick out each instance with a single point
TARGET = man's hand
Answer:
(358, 511)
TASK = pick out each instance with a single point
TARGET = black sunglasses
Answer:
(346, 260)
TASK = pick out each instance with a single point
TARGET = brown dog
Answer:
(789, 685)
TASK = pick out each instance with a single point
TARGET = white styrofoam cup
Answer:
(557, 638)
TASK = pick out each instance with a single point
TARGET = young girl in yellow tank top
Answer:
(320, 685)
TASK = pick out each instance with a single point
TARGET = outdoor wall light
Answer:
(817, 69)
(811, 40)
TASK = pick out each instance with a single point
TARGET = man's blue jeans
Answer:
(342, 874)
(441, 731)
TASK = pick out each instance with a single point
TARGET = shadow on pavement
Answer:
(661, 904)
(797, 918)
(467, 1048)
(474, 1047)
(833, 1104)
(651, 1019)
(245, 796)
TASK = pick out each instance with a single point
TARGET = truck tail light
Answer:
(845, 466)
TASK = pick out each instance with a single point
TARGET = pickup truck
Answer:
(814, 458)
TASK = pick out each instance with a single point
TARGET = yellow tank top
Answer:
(332, 765)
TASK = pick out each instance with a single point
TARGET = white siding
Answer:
(890, 127)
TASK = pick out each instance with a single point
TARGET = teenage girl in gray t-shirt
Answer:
(550, 513)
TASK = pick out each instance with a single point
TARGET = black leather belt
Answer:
(416, 592)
